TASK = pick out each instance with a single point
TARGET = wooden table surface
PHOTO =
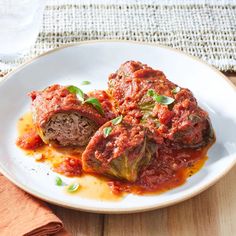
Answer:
(212, 213)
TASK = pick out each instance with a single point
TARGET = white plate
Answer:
(94, 61)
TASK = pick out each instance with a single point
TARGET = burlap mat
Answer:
(206, 29)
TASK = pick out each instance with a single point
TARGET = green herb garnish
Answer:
(80, 95)
(97, 105)
(58, 181)
(151, 92)
(175, 90)
(77, 91)
(162, 99)
(117, 120)
(73, 187)
(107, 131)
(85, 82)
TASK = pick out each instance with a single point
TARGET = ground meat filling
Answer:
(69, 129)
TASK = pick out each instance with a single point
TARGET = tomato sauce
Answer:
(169, 169)
(179, 119)
(29, 141)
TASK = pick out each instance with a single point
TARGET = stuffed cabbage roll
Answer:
(120, 150)
(61, 119)
(166, 109)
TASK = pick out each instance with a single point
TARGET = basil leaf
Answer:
(97, 105)
(107, 131)
(175, 90)
(117, 120)
(77, 91)
(73, 187)
(151, 92)
(85, 82)
(58, 181)
(162, 99)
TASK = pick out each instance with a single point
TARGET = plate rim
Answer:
(114, 210)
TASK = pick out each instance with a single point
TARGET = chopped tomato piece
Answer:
(29, 141)
(69, 167)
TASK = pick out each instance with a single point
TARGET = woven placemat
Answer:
(206, 29)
